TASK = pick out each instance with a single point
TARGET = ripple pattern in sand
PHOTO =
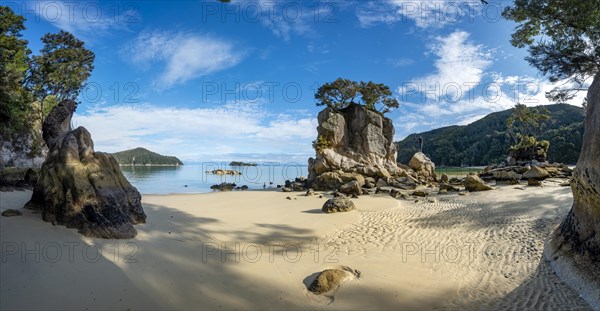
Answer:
(491, 245)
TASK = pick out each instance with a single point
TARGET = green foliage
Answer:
(340, 93)
(529, 148)
(486, 141)
(321, 143)
(62, 67)
(527, 142)
(526, 121)
(31, 86)
(563, 37)
(141, 156)
(14, 55)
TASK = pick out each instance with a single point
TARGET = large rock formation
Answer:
(81, 188)
(574, 247)
(352, 142)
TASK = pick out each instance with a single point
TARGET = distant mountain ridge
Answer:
(144, 157)
(486, 141)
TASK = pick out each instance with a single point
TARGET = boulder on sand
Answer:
(473, 183)
(330, 279)
(423, 166)
(536, 172)
(339, 204)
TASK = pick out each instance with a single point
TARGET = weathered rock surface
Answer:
(423, 166)
(339, 204)
(574, 247)
(359, 141)
(473, 183)
(80, 188)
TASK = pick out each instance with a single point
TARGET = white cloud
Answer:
(195, 134)
(185, 56)
(460, 67)
(84, 18)
(285, 19)
(424, 13)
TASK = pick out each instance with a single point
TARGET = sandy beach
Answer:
(260, 250)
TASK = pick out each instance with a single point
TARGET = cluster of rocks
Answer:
(81, 188)
(529, 172)
(225, 186)
(299, 184)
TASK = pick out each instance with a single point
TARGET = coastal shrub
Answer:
(321, 143)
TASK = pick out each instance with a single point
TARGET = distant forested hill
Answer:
(486, 141)
(141, 156)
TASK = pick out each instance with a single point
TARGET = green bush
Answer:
(321, 143)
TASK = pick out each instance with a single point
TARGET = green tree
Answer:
(14, 56)
(340, 93)
(61, 69)
(563, 38)
(525, 121)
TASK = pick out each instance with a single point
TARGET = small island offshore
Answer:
(144, 157)
(236, 163)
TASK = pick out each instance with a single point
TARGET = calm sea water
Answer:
(171, 179)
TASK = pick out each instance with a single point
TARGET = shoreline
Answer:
(258, 250)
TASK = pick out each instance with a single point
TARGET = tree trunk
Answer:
(574, 247)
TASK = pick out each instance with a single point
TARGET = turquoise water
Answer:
(172, 179)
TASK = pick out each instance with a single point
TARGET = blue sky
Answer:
(203, 80)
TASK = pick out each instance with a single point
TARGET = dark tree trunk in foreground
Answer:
(574, 247)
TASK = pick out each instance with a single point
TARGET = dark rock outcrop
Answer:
(224, 186)
(355, 142)
(80, 188)
(339, 204)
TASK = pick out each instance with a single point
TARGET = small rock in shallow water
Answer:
(11, 213)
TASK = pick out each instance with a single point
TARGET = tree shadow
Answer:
(50, 267)
(543, 290)
(497, 214)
